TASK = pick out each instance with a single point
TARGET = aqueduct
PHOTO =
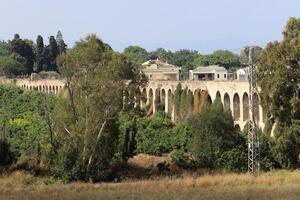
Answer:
(234, 94)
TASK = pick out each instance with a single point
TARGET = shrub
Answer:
(154, 134)
(214, 134)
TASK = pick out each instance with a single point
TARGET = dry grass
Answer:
(275, 185)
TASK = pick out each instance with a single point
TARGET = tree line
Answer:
(23, 57)
(189, 59)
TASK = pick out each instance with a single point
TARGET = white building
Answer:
(206, 73)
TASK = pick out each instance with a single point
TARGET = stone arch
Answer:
(163, 98)
(144, 97)
(256, 107)
(245, 107)
(197, 101)
(218, 95)
(226, 101)
(150, 97)
(170, 101)
(236, 107)
(157, 103)
(209, 101)
(205, 100)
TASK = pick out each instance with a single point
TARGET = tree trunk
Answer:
(94, 150)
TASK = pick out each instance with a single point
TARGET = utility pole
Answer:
(253, 138)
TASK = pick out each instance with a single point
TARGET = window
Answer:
(218, 75)
(224, 75)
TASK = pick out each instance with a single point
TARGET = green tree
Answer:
(278, 75)
(214, 135)
(136, 54)
(39, 53)
(86, 124)
(12, 65)
(22, 121)
(62, 47)
(223, 58)
(4, 48)
(154, 134)
(24, 49)
(184, 58)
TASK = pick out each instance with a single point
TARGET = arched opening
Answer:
(56, 89)
(40, 88)
(197, 101)
(236, 107)
(226, 102)
(209, 100)
(205, 100)
(256, 107)
(144, 97)
(158, 104)
(150, 101)
(218, 95)
(170, 101)
(245, 107)
(163, 99)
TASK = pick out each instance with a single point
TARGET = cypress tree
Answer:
(39, 53)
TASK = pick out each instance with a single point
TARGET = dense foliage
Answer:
(278, 75)
(22, 57)
(24, 123)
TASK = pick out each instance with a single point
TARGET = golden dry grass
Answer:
(272, 185)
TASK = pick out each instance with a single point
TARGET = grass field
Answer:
(272, 185)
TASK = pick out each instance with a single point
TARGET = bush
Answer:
(214, 134)
(154, 134)
(286, 146)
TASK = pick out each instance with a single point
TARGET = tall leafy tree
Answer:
(136, 54)
(24, 49)
(62, 47)
(39, 53)
(215, 136)
(278, 75)
(223, 58)
(96, 79)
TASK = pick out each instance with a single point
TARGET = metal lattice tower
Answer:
(253, 138)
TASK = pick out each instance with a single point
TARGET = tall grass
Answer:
(275, 185)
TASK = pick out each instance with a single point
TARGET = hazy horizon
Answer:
(171, 24)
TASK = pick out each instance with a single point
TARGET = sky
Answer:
(202, 25)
